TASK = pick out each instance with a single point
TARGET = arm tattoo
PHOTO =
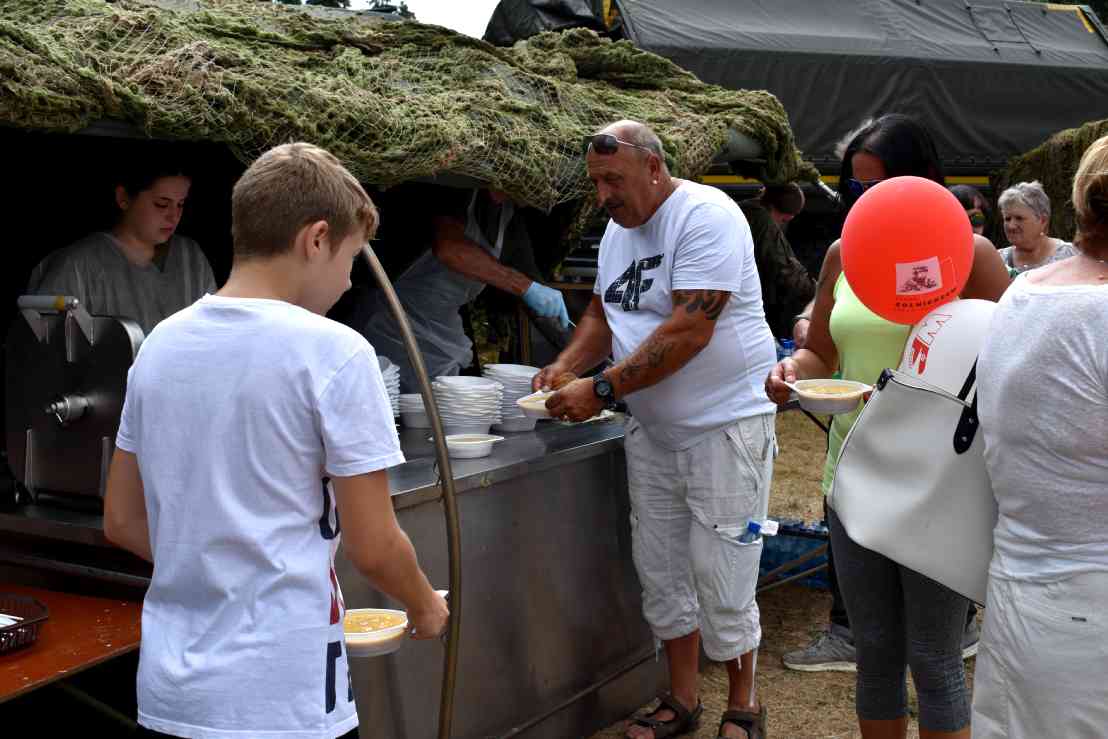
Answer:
(651, 356)
(711, 302)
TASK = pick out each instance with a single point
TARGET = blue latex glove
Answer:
(547, 302)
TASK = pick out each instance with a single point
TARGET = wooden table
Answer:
(81, 632)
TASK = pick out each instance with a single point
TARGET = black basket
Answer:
(23, 633)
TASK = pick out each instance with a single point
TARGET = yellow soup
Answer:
(364, 623)
(830, 390)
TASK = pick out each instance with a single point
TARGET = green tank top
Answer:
(867, 344)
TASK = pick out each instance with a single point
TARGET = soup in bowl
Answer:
(371, 632)
(830, 396)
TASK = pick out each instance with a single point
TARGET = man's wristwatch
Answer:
(602, 387)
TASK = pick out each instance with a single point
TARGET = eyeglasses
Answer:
(855, 188)
(607, 144)
(977, 219)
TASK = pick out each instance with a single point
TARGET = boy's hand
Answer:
(429, 621)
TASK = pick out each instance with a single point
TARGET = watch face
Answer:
(603, 388)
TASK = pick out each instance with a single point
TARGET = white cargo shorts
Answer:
(688, 509)
(1041, 663)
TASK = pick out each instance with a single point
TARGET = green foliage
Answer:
(401, 8)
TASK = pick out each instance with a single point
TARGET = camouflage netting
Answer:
(395, 101)
(1054, 164)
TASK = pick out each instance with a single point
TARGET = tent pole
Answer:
(446, 481)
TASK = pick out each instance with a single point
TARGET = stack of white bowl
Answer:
(390, 373)
(412, 413)
(516, 379)
(468, 405)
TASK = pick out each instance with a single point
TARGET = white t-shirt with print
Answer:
(698, 239)
(238, 410)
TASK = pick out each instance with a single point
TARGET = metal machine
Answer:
(66, 373)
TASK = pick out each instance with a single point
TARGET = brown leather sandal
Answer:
(754, 724)
(683, 722)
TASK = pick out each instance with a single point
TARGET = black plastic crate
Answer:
(21, 634)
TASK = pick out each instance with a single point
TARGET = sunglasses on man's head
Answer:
(855, 188)
(607, 144)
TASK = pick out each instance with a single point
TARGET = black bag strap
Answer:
(967, 386)
(968, 422)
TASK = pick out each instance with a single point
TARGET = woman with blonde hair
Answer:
(1042, 381)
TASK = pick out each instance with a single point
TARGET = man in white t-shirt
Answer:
(678, 302)
(252, 427)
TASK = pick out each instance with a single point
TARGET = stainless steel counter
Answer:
(549, 445)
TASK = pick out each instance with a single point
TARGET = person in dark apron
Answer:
(446, 277)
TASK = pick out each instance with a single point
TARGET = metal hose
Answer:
(446, 481)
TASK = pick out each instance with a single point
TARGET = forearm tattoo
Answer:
(711, 302)
(650, 356)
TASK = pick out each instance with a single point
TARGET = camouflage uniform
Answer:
(786, 285)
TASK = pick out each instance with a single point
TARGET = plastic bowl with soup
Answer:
(830, 396)
(371, 632)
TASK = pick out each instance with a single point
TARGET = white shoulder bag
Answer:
(911, 482)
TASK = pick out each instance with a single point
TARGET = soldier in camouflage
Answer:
(786, 285)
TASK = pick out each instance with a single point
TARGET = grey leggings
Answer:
(901, 618)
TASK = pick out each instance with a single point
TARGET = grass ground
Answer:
(801, 705)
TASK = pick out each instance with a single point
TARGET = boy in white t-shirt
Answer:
(252, 427)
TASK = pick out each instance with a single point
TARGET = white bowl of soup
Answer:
(830, 396)
(372, 632)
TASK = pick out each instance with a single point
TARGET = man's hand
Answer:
(430, 620)
(547, 302)
(552, 377)
(577, 401)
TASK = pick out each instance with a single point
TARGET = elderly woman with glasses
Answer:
(898, 618)
(1025, 208)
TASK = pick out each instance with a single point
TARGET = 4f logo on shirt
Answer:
(630, 285)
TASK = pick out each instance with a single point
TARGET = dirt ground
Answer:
(801, 705)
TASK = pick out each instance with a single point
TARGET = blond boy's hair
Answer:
(1090, 197)
(289, 187)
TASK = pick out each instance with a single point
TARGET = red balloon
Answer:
(907, 248)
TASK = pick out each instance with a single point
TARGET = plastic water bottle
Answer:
(756, 529)
(787, 349)
(752, 534)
